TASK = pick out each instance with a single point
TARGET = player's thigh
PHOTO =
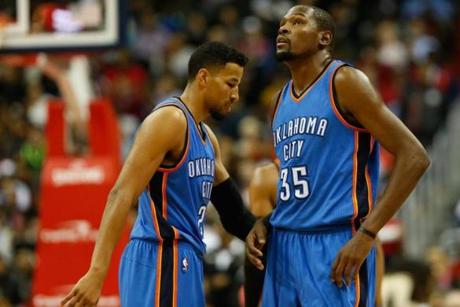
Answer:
(166, 274)
(190, 278)
(315, 262)
(137, 282)
(279, 283)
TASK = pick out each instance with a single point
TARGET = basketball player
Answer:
(262, 196)
(171, 170)
(327, 127)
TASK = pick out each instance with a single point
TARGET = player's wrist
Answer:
(98, 271)
(266, 221)
(367, 232)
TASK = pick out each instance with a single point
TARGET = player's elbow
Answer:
(119, 196)
(421, 160)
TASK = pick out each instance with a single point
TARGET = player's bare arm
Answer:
(358, 99)
(262, 190)
(143, 160)
(257, 237)
(226, 198)
(262, 197)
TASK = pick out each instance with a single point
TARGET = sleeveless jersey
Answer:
(173, 206)
(328, 167)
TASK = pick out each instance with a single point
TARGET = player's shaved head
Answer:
(323, 19)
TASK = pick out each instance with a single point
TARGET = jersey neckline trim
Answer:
(298, 97)
(198, 126)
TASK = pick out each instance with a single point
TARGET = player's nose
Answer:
(235, 94)
(283, 30)
(234, 97)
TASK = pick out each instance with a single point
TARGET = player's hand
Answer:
(350, 258)
(86, 292)
(255, 241)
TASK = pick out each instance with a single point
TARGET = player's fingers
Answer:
(256, 262)
(252, 248)
(349, 271)
(335, 263)
(261, 236)
(75, 300)
(337, 271)
(68, 297)
(87, 302)
(255, 251)
(254, 257)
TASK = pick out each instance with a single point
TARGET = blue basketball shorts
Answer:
(166, 274)
(299, 267)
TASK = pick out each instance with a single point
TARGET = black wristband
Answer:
(367, 232)
(234, 215)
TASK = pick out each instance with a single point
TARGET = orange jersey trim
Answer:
(333, 104)
(354, 181)
(181, 161)
(158, 275)
(278, 102)
(307, 90)
(357, 289)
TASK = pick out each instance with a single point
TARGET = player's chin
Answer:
(283, 55)
(282, 48)
(219, 115)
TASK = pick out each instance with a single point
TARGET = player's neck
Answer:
(305, 71)
(194, 102)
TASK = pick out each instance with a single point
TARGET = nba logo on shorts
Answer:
(184, 264)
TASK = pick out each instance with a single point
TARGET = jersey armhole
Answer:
(207, 132)
(336, 105)
(185, 148)
(278, 100)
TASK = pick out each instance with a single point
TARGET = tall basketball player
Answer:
(173, 170)
(326, 131)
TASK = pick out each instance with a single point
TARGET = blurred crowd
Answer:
(407, 48)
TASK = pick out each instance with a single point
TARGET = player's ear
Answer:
(325, 38)
(202, 77)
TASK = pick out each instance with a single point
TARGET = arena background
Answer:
(99, 66)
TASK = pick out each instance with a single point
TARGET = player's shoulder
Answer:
(168, 113)
(265, 174)
(349, 76)
(167, 118)
(267, 169)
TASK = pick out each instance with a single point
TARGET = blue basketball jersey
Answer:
(328, 167)
(173, 206)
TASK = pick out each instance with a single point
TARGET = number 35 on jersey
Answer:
(294, 183)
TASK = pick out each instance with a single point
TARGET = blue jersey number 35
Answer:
(299, 185)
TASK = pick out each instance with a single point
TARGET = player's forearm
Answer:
(112, 224)
(409, 168)
(233, 214)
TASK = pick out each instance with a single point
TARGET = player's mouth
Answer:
(281, 41)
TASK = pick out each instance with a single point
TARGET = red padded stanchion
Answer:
(73, 195)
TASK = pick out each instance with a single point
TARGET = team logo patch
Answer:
(184, 264)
